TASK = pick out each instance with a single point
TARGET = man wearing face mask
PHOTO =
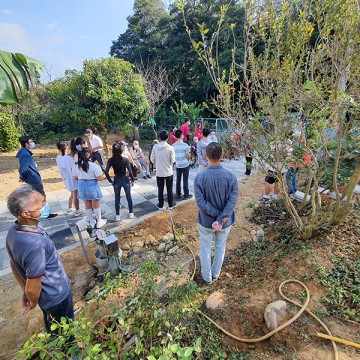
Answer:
(34, 261)
(28, 170)
(96, 146)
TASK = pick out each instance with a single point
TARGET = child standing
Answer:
(65, 164)
(120, 164)
(88, 175)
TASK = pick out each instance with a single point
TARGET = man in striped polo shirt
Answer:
(182, 155)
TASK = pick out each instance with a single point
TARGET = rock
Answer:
(260, 233)
(256, 206)
(139, 233)
(92, 284)
(150, 240)
(254, 238)
(229, 276)
(168, 237)
(215, 300)
(272, 312)
(253, 232)
(2, 320)
(126, 246)
(161, 247)
(136, 249)
(140, 244)
(173, 250)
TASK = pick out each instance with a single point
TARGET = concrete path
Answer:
(62, 229)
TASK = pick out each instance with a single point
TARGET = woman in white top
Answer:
(65, 164)
(88, 174)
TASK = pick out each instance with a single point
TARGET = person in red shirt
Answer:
(198, 131)
(172, 135)
(185, 128)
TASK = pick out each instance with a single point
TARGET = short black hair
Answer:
(178, 133)
(164, 135)
(214, 151)
(206, 132)
(23, 140)
(186, 120)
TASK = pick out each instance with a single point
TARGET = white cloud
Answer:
(5, 11)
(14, 38)
(52, 25)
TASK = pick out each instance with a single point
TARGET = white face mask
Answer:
(136, 146)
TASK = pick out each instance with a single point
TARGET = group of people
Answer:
(34, 260)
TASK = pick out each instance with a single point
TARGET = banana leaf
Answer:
(17, 72)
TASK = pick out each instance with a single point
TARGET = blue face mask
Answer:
(44, 212)
(32, 145)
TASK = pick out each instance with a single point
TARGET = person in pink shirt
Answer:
(198, 131)
(173, 138)
(185, 128)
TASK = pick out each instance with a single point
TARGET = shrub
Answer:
(9, 133)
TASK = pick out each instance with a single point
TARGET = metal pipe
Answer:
(85, 252)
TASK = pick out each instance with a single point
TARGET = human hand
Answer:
(132, 183)
(216, 226)
(25, 305)
(225, 220)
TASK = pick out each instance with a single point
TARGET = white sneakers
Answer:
(131, 215)
(101, 223)
(117, 218)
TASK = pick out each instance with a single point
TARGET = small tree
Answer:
(158, 87)
(299, 55)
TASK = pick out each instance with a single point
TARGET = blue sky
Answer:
(62, 33)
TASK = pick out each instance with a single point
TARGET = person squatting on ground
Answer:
(120, 164)
(96, 146)
(88, 174)
(278, 157)
(163, 156)
(216, 193)
(34, 261)
(212, 137)
(65, 163)
(127, 155)
(201, 150)
(151, 164)
(140, 160)
(182, 156)
(185, 128)
(28, 170)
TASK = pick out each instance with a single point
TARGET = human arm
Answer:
(24, 161)
(230, 203)
(107, 169)
(130, 171)
(188, 153)
(32, 291)
(172, 156)
(152, 156)
(202, 203)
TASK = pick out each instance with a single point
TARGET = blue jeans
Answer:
(118, 183)
(212, 271)
(54, 314)
(184, 173)
(290, 177)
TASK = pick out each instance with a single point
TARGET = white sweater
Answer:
(163, 156)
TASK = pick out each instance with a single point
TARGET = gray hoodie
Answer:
(163, 156)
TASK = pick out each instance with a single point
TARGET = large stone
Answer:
(215, 300)
(168, 237)
(272, 313)
(150, 240)
(253, 232)
(173, 250)
(33, 325)
(260, 234)
(161, 247)
(140, 244)
(2, 320)
(136, 249)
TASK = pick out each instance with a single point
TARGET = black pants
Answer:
(249, 160)
(64, 309)
(98, 156)
(182, 172)
(169, 188)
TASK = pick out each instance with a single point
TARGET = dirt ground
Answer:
(246, 294)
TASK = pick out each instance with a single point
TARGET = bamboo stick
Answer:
(342, 341)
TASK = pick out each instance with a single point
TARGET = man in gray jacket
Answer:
(163, 156)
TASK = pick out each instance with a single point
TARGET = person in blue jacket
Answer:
(28, 169)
